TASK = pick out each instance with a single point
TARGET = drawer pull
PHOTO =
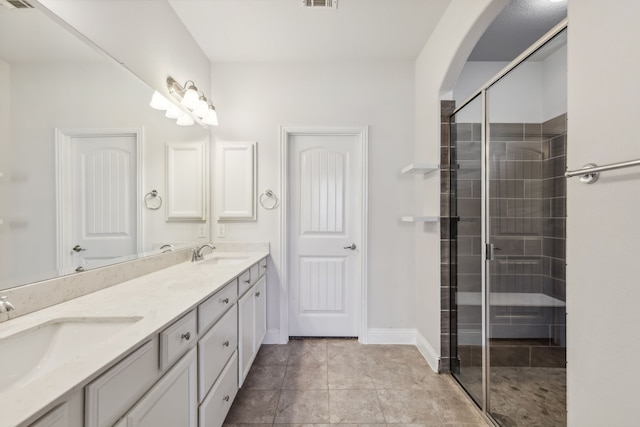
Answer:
(225, 344)
(247, 281)
(257, 294)
(264, 266)
(186, 336)
(225, 301)
(226, 398)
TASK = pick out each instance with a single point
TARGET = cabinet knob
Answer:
(226, 398)
(186, 336)
(225, 301)
(226, 343)
(257, 294)
(247, 281)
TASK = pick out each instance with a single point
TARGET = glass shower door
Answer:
(526, 194)
(466, 248)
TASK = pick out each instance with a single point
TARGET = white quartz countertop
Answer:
(158, 299)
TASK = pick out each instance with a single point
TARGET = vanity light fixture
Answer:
(196, 102)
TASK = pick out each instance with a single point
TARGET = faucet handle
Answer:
(5, 305)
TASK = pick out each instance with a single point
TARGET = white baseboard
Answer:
(272, 337)
(427, 351)
(391, 336)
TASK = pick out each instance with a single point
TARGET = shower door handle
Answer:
(491, 249)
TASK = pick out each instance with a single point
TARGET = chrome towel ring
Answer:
(264, 200)
(152, 200)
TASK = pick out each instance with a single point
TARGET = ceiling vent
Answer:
(331, 4)
(15, 4)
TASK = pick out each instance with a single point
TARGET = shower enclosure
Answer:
(507, 240)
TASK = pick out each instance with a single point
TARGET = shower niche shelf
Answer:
(423, 168)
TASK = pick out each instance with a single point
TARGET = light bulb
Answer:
(202, 109)
(173, 112)
(190, 97)
(159, 102)
(211, 118)
(185, 120)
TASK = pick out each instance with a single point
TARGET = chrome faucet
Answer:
(5, 305)
(197, 252)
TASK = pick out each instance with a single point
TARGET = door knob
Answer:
(351, 246)
(78, 248)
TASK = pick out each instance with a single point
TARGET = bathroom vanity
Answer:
(168, 348)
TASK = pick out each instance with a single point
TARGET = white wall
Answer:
(437, 69)
(603, 235)
(253, 100)
(534, 92)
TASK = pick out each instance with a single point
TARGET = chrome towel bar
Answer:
(589, 173)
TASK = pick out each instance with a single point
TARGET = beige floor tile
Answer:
(350, 377)
(409, 407)
(345, 354)
(407, 377)
(264, 378)
(303, 406)
(354, 406)
(272, 354)
(313, 352)
(253, 407)
(453, 407)
(305, 377)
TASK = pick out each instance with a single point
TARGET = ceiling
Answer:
(518, 26)
(358, 30)
(285, 31)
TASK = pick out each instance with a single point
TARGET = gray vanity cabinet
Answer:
(172, 401)
(252, 324)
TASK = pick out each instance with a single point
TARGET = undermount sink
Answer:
(28, 355)
(224, 260)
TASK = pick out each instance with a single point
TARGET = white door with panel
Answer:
(325, 211)
(104, 212)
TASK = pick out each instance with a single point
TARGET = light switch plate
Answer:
(222, 232)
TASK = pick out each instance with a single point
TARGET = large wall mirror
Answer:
(79, 150)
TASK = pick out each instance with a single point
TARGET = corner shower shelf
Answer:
(420, 219)
(420, 168)
(511, 299)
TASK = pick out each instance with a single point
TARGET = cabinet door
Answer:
(186, 181)
(171, 402)
(246, 331)
(260, 295)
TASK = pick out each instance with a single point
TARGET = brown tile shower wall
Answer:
(527, 204)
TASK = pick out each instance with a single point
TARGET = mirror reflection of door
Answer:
(101, 214)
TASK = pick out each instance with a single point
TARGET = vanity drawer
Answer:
(262, 267)
(255, 273)
(176, 339)
(244, 282)
(55, 418)
(215, 306)
(215, 348)
(216, 405)
(112, 394)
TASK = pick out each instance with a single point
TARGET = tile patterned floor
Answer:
(324, 381)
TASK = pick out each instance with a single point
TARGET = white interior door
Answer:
(104, 182)
(324, 234)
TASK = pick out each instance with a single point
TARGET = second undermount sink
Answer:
(223, 260)
(30, 354)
